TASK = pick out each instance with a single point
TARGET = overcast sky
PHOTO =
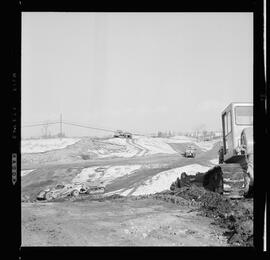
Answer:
(140, 72)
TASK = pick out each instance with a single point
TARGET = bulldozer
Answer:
(234, 176)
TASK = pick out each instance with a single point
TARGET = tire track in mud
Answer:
(143, 151)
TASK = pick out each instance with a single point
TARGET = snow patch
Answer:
(163, 180)
(180, 139)
(206, 145)
(126, 192)
(25, 172)
(113, 192)
(44, 145)
(155, 145)
(143, 145)
(126, 150)
(214, 161)
(105, 176)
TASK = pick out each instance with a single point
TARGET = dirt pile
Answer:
(235, 216)
(239, 223)
(192, 192)
(215, 205)
(170, 197)
(232, 215)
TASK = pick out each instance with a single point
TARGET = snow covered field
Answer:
(163, 180)
(214, 161)
(44, 145)
(207, 145)
(126, 150)
(154, 145)
(138, 146)
(142, 145)
(25, 172)
(105, 174)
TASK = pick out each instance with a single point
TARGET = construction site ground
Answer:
(192, 217)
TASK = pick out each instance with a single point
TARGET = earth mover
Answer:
(121, 134)
(233, 176)
(118, 134)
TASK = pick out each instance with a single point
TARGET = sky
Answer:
(140, 72)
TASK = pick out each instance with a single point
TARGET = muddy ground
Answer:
(117, 222)
(190, 217)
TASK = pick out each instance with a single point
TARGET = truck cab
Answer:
(237, 123)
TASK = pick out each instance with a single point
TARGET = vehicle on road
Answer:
(190, 152)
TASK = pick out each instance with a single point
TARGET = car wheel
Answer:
(75, 193)
(48, 196)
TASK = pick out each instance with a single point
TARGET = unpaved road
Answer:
(118, 222)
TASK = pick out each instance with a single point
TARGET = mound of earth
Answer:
(235, 216)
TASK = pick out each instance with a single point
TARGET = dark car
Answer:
(190, 152)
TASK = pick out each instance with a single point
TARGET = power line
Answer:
(74, 124)
(96, 128)
(53, 123)
(90, 127)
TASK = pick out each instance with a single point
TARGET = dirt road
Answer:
(118, 222)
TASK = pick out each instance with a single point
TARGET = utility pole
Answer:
(61, 126)
(45, 127)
